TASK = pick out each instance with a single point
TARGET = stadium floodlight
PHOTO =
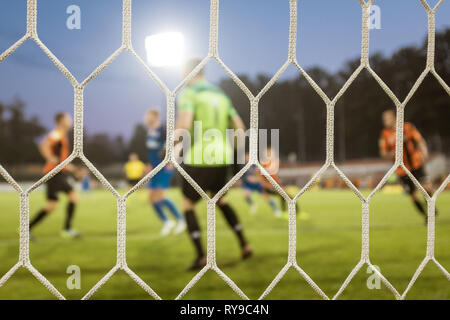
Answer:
(165, 49)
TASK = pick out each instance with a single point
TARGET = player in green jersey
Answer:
(206, 112)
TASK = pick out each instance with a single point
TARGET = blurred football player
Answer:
(158, 185)
(415, 155)
(55, 149)
(134, 170)
(253, 182)
(205, 110)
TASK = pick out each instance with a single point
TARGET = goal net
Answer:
(213, 54)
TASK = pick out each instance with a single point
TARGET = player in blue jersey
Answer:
(156, 140)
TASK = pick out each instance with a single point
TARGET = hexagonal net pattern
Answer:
(24, 257)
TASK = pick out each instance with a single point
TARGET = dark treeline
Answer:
(20, 136)
(291, 106)
(102, 149)
(294, 107)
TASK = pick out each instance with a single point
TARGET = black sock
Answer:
(283, 204)
(194, 232)
(420, 207)
(37, 218)
(69, 216)
(233, 221)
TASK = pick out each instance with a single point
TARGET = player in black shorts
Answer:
(419, 174)
(59, 183)
(415, 155)
(55, 149)
(207, 161)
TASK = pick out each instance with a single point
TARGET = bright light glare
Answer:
(165, 49)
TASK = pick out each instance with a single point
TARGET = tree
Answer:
(295, 108)
(18, 135)
(137, 142)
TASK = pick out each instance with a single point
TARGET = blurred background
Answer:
(253, 43)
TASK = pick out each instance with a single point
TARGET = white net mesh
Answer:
(24, 257)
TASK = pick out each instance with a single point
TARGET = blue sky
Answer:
(253, 39)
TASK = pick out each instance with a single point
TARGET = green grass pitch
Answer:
(328, 247)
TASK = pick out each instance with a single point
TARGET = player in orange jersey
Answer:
(415, 155)
(271, 164)
(55, 149)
